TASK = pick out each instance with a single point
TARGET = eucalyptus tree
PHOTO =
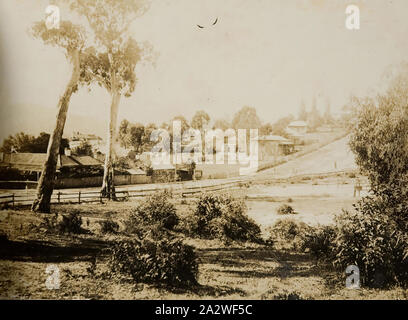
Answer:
(111, 63)
(70, 38)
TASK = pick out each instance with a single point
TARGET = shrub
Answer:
(219, 215)
(319, 241)
(375, 242)
(161, 260)
(285, 209)
(156, 209)
(288, 233)
(109, 226)
(288, 296)
(70, 223)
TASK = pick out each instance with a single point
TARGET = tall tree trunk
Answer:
(108, 185)
(46, 182)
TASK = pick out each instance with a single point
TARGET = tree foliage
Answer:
(136, 136)
(380, 135)
(22, 142)
(279, 127)
(68, 36)
(84, 149)
(200, 120)
(246, 118)
(221, 124)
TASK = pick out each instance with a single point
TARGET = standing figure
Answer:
(357, 187)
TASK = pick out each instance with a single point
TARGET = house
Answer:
(130, 176)
(271, 146)
(297, 128)
(31, 164)
(93, 140)
(297, 131)
(163, 173)
(170, 173)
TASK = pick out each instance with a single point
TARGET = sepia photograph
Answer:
(200, 150)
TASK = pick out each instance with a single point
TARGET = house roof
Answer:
(136, 171)
(25, 161)
(162, 166)
(84, 136)
(272, 138)
(298, 123)
(35, 161)
(85, 160)
(67, 161)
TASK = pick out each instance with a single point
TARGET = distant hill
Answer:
(43, 119)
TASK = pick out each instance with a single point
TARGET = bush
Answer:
(288, 233)
(285, 209)
(219, 215)
(161, 260)
(156, 209)
(288, 296)
(373, 241)
(70, 223)
(319, 241)
(109, 226)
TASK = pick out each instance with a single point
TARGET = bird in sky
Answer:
(214, 23)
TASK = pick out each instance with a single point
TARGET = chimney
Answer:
(67, 152)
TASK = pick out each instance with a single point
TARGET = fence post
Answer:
(13, 199)
(79, 196)
(59, 196)
(100, 197)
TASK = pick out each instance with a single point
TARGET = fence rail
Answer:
(15, 200)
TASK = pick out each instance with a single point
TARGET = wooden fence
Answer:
(83, 196)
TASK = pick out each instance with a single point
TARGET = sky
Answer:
(268, 54)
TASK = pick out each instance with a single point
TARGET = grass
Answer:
(234, 271)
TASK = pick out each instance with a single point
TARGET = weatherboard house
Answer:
(271, 146)
(297, 128)
(297, 131)
(31, 164)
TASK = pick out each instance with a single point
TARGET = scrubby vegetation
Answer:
(221, 216)
(374, 236)
(319, 242)
(159, 260)
(109, 226)
(155, 210)
(375, 242)
(65, 223)
(285, 209)
(288, 233)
